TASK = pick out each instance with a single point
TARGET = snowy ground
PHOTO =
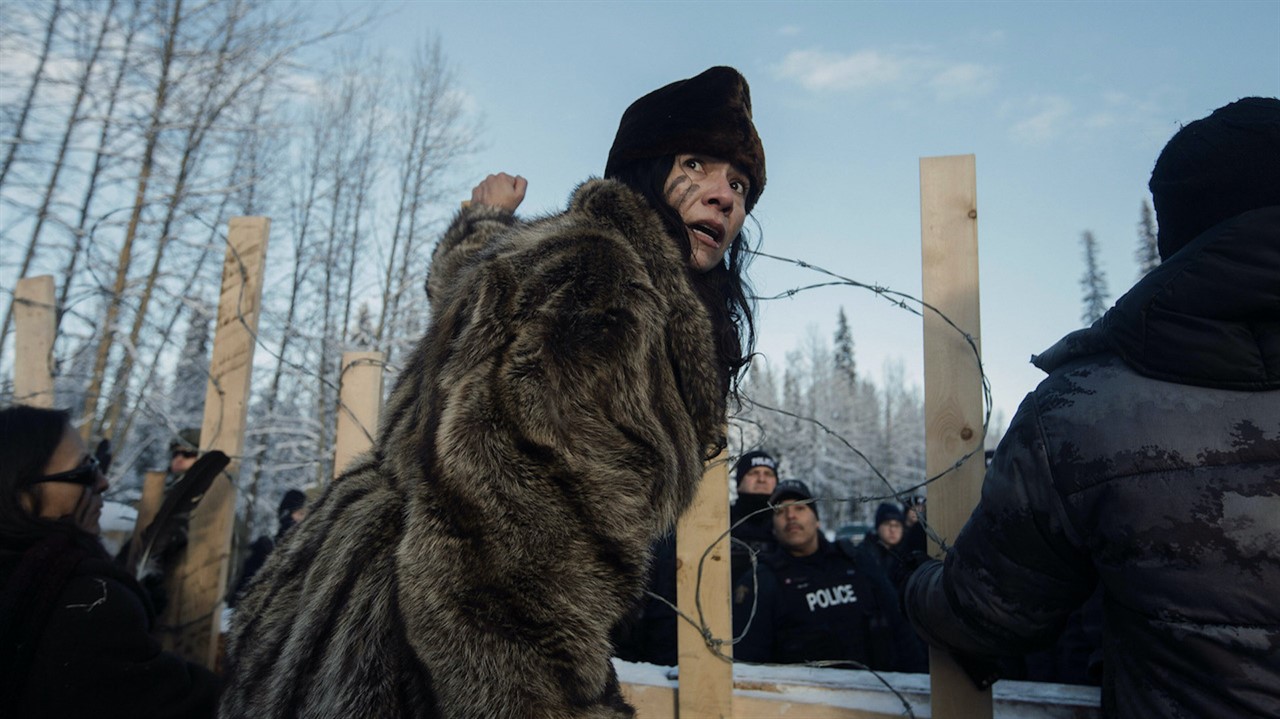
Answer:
(862, 690)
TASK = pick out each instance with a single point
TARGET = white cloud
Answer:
(963, 80)
(1049, 114)
(908, 69)
(789, 30)
(819, 71)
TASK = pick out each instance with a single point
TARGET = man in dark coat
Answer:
(756, 474)
(1149, 460)
(812, 600)
(291, 510)
(884, 544)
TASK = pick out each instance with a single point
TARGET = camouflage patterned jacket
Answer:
(1149, 461)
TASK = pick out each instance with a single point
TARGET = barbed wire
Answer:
(900, 300)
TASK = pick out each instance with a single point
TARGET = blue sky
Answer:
(1065, 106)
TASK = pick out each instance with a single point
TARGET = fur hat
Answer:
(793, 489)
(1216, 168)
(750, 461)
(709, 113)
(889, 512)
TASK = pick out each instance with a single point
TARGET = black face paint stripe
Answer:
(675, 185)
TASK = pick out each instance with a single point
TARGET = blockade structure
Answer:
(707, 684)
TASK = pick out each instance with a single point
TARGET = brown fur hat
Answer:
(710, 113)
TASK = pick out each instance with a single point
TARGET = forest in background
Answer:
(133, 130)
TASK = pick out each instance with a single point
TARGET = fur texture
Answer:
(551, 424)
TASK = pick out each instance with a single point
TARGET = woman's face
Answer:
(710, 194)
(61, 499)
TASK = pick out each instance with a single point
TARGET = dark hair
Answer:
(724, 289)
(28, 438)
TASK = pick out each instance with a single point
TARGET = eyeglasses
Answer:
(188, 453)
(86, 474)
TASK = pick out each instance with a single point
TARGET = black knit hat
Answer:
(709, 113)
(1216, 168)
(889, 512)
(793, 489)
(750, 461)
(292, 500)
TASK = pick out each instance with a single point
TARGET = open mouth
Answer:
(708, 233)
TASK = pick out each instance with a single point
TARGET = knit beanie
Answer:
(889, 512)
(1216, 168)
(292, 500)
(708, 113)
(750, 461)
(793, 489)
(188, 440)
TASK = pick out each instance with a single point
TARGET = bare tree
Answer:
(18, 138)
(37, 77)
(434, 137)
(100, 156)
(152, 135)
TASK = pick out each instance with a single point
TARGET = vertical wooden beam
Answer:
(706, 680)
(33, 322)
(200, 580)
(359, 402)
(952, 384)
(149, 502)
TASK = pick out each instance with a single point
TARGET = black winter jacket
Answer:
(1148, 461)
(74, 640)
(753, 530)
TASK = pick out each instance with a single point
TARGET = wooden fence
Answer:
(705, 685)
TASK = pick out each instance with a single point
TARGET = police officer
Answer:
(757, 475)
(814, 601)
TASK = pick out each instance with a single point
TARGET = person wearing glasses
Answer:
(184, 450)
(74, 627)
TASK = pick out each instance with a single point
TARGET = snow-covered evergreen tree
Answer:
(833, 431)
(191, 376)
(1093, 282)
(1148, 253)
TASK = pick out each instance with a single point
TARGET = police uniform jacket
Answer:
(826, 606)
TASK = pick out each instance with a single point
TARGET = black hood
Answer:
(1208, 316)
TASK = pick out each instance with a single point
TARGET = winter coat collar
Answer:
(1207, 316)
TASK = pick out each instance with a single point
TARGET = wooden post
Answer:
(149, 502)
(33, 322)
(200, 580)
(706, 680)
(359, 401)
(952, 384)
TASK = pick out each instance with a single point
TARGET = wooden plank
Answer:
(148, 503)
(952, 383)
(200, 580)
(706, 680)
(359, 402)
(33, 323)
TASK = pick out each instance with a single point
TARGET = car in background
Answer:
(855, 532)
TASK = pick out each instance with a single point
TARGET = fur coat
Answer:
(551, 424)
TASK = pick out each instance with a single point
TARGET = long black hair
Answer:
(724, 289)
(28, 438)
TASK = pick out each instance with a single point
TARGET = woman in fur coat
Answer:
(552, 423)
